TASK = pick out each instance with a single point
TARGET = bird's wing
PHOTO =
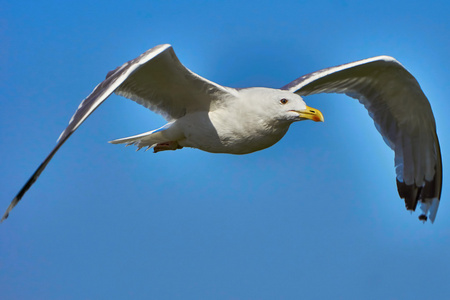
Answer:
(155, 79)
(162, 84)
(402, 114)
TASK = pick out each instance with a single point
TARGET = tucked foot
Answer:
(172, 145)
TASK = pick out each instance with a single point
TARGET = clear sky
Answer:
(316, 216)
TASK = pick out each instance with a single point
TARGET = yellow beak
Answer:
(311, 114)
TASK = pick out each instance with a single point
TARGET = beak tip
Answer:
(318, 119)
(311, 114)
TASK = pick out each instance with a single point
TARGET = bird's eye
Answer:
(283, 101)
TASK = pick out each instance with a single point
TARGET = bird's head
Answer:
(282, 105)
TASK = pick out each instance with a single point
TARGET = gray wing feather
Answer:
(401, 113)
(167, 87)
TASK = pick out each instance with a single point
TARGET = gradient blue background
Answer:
(316, 216)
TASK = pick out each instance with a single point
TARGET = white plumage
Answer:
(213, 118)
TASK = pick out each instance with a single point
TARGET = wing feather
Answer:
(165, 86)
(401, 113)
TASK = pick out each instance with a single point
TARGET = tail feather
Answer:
(147, 139)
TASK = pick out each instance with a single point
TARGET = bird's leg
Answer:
(171, 145)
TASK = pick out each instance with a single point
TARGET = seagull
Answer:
(205, 115)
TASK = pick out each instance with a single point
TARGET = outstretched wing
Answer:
(165, 86)
(155, 79)
(403, 116)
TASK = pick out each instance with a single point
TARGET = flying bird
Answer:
(205, 115)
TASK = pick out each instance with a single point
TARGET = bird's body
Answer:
(204, 115)
(249, 120)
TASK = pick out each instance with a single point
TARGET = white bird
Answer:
(204, 115)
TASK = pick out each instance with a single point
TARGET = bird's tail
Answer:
(147, 139)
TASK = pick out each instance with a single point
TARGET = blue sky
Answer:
(316, 216)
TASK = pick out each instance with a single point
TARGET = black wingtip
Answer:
(410, 193)
(5, 216)
(10, 207)
(427, 194)
(423, 218)
(14, 202)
